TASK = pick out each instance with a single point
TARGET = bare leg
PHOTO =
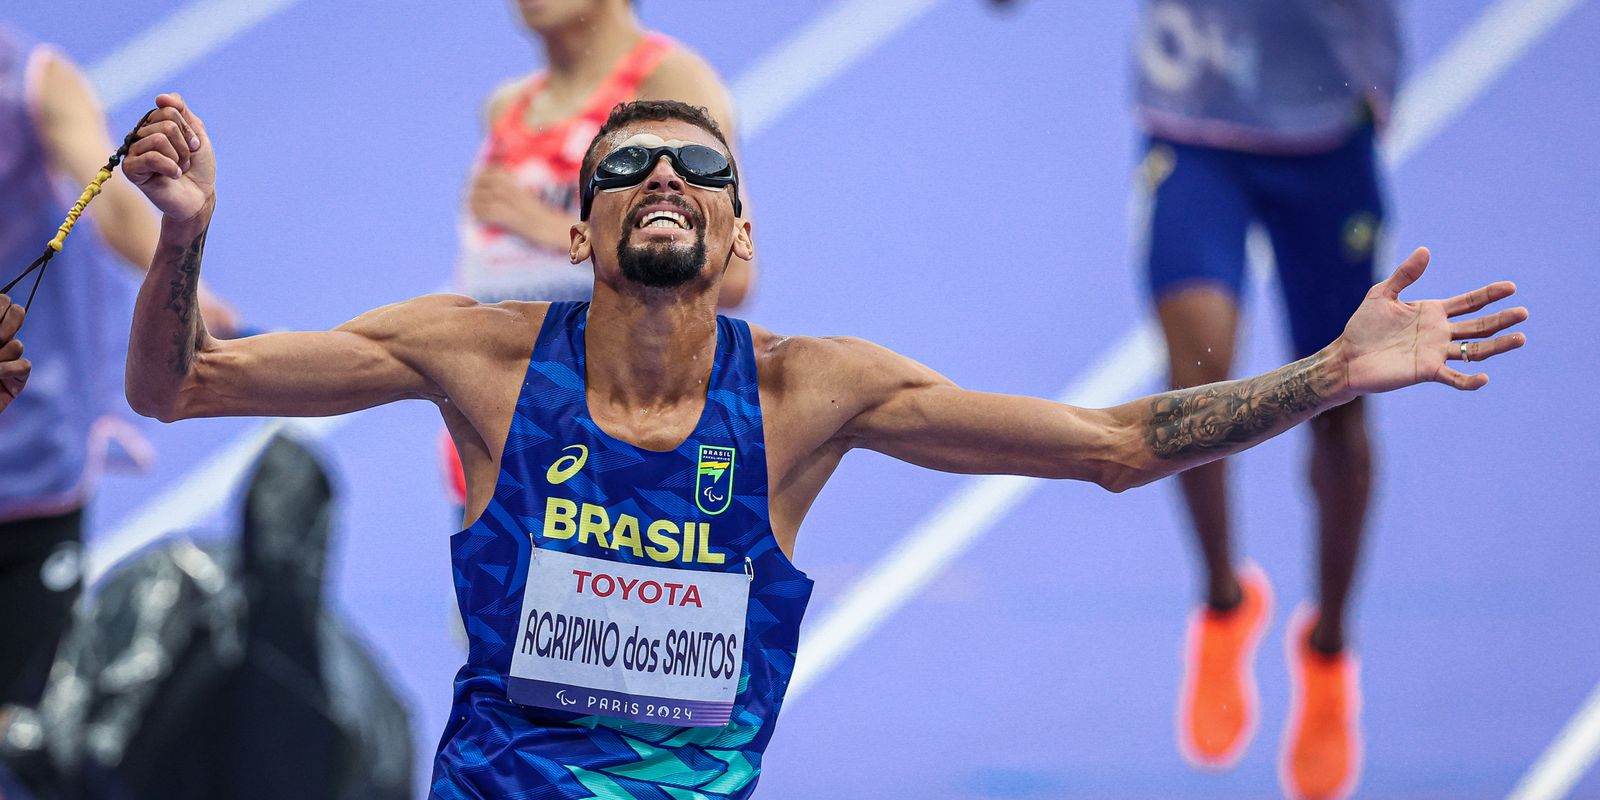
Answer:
(1200, 325)
(1341, 475)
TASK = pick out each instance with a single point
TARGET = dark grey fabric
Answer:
(216, 672)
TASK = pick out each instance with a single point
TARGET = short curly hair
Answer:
(625, 114)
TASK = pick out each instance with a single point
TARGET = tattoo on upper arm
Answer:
(183, 301)
(1221, 416)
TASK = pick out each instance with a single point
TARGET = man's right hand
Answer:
(171, 161)
(14, 368)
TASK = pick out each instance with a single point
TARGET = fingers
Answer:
(13, 374)
(170, 123)
(139, 169)
(482, 200)
(1480, 351)
(1478, 298)
(175, 135)
(163, 147)
(1462, 381)
(492, 197)
(1488, 326)
(16, 368)
(156, 154)
(1406, 274)
(493, 182)
(194, 129)
(11, 316)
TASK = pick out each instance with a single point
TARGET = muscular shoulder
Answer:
(453, 324)
(839, 376)
(684, 75)
(813, 358)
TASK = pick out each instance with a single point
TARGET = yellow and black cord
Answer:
(89, 193)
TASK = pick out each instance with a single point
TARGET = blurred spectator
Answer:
(523, 194)
(54, 436)
(522, 198)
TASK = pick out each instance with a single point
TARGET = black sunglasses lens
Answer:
(627, 161)
(702, 160)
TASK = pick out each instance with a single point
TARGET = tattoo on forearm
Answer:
(183, 301)
(1221, 416)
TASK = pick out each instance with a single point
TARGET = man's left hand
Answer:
(1390, 343)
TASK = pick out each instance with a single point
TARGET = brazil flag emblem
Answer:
(713, 482)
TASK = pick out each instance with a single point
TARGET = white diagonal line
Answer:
(1501, 35)
(144, 62)
(796, 69)
(819, 53)
(1568, 757)
(173, 44)
(956, 523)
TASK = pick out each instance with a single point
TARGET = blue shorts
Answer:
(1322, 212)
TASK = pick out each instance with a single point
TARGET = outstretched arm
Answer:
(916, 415)
(177, 370)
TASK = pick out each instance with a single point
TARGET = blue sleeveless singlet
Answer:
(700, 496)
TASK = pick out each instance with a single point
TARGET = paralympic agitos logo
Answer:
(713, 479)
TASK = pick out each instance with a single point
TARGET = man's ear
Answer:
(580, 249)
(743, 246)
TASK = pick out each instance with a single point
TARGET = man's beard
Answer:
(661, 266)
(665, 265)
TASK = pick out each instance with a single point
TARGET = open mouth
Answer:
(664, 219)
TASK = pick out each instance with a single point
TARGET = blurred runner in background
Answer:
(1264, 111)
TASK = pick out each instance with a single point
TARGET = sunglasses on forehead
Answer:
(695, 163)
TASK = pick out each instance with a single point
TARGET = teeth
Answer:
(664, 219)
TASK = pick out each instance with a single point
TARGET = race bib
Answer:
(647, 644)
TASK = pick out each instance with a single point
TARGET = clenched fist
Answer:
(171, 161)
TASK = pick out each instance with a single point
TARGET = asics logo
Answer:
(567, 465)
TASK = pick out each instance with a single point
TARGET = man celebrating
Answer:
(638, 467)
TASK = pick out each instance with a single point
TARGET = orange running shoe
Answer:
(1217, 706)
(1321, 754)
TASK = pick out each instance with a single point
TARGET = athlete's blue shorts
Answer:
(1322, 212)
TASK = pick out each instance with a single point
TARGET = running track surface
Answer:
(1044, 663)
